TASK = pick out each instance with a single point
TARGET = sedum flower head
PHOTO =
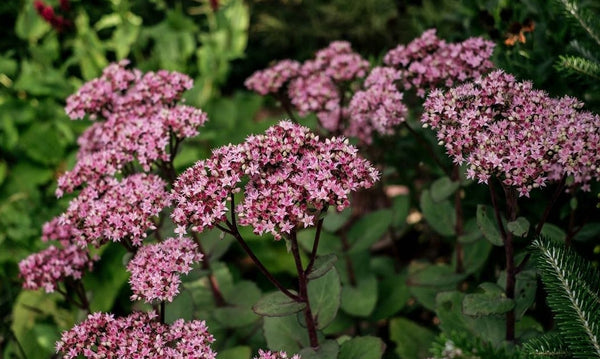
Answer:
(428, 62)
(47, 268)
(272, 79)
(377, 108)
(290, 175)
(267, 354)
(141, 120)
(117, 210)
(139, 335)
(156, 268)
(504, 128)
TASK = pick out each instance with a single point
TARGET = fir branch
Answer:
(583, 51)
(586, 18)
(549, 345)
(579, 66)
(576, 307)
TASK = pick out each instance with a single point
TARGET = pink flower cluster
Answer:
(429, 62)
(314, 86)
(291, 176)
(272, 79)
(377, 108)
(266, 354)
(317, 88)
(507, 129)
(141, 118)
(139, 335)
(47, 268)
(117, 210)
(155, 269)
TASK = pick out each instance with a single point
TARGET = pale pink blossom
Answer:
(46, 269)
(156, 268)
(138, 335)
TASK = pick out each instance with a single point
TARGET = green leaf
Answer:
(392, 296)
(324, 296)
(475, 255)
(238, 312)
(329, 243)
(29, 309)
(360, 300)
(448, 309)
(277, 304)
(412, 340)
(400, 210)
(443, 188)
(179, 308)
(426, 280)
(3, 170)
(234, 317)
(88, 50)
(369, 229)
(519, 227)
(439, 215)
(487, 224)
(334, 220)
(43, 144)
(525, 288)
(491, 301)
(240, 352)
(29, 25)
(107, 278)
(362, 348)
(553, 232)
(327, 350)
(322, 265)
(285, 333)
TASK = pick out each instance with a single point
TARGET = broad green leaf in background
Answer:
(324, 296)
(475, 255)
(43, 144)
(322, 265)
(30, 26)
(412, 340)
(525, 288)
(277, 304)
(360, 300)
(553, 232)
(362, 348)
(88, 50)
(369, 229)
(393, 294)
(29, 310)
(491, 301)
(439, 215)
(449, 309)
(182, 307)
(426, 280)
(239, 310)
(285, 333)
(107, 278)
(327, 350)
(400, 209)
(487, 223)
(443, 188)
(239, 352)
(334, 220)
(519, 227)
